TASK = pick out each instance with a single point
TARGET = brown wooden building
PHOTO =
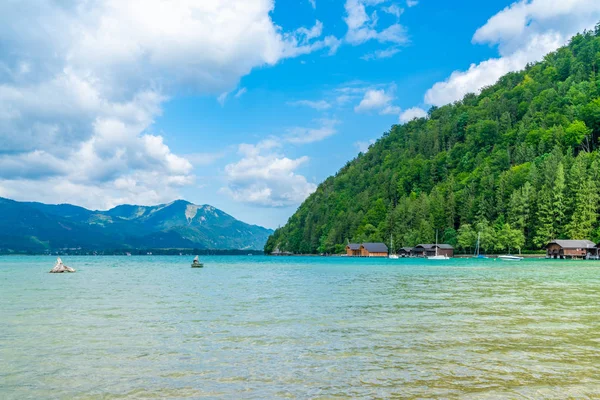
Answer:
(373, 250)
(571, 249)
(353, 250)
(366, 250)
(428, 250)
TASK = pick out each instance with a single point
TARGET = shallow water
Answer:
(266, 328)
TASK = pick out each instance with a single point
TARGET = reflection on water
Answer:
(259, 327)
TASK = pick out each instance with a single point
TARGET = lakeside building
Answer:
(405, 251)
(428, 250)
(571, 249)
(366, 250)
(353, 249)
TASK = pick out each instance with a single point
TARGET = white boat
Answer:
(196, 263)
(437, 256)
(510, 258)
(393, 254)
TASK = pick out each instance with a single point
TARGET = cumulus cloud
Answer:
(81, 83)
(362, 27)
(264, 177)
(524, 32)
(412, 113)
(411, 3)
(379, 100)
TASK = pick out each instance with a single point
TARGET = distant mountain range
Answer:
(37, 227)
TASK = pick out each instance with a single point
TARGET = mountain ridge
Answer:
(35, 226)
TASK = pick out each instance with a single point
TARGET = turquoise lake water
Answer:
(298, 327)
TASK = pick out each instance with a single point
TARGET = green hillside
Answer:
(518, 163)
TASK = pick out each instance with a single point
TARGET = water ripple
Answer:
(322, 328)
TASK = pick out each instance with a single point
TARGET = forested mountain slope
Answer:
(518, 163)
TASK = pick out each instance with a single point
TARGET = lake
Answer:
(298, 327)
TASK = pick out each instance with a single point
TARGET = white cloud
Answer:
(240, 93)
(313, 3)
(362, 26)
(222, 98)
(380, 54)
(412, 113)
(343, 99)
(266, 177)
(376, 99)
(300, 135)
(263, 177)
(203, 159)
(317, 105)
(411, 3)
(307, 34)
(524, 32)
(363, 147)
(81, 83)
(394, 10)
(390, 110)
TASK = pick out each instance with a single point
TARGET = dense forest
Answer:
(519, 163)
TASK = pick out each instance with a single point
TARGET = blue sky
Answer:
(246, 105)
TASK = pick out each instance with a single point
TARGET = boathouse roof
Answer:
(353, 246)
(573, 244)
(433, 245)
(375, 247)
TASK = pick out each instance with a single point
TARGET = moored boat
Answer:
(477, 254)
(196, 263)
(392, 254)
(437, 256)
(509, 257)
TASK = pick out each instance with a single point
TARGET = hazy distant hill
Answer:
(180, 224)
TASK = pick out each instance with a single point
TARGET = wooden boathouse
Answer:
(571, 249)
(353, 250)
(405, 251)
(428, 250)
(367, 250)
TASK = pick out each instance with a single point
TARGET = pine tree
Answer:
(584, 214)
(519, 207)
(558, 201)
(544, 231)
